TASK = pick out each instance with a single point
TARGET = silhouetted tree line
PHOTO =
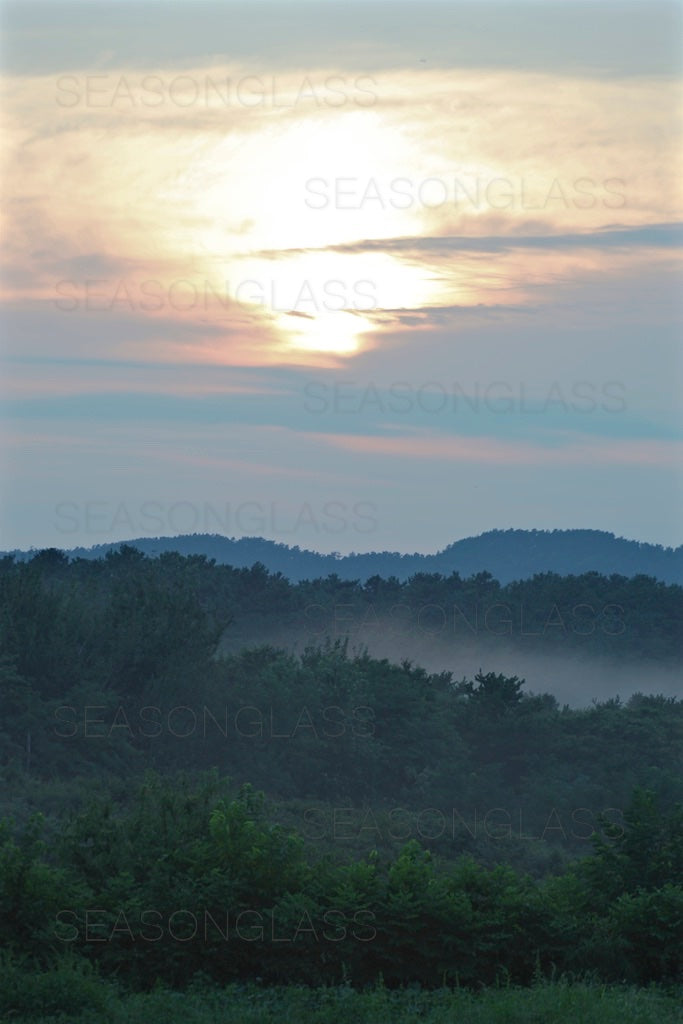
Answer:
(90, 615)
(508, 554)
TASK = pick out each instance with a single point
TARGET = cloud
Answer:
(650, 236)
(497, 182)
(506, 453)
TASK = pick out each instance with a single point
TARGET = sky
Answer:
(360, 276)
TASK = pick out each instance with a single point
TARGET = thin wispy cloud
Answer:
(650, 236)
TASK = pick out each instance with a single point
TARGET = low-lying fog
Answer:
(572, 678)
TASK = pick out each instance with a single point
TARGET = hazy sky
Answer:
(352, 277)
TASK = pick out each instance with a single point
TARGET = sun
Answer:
(300, 247)
(337, 332)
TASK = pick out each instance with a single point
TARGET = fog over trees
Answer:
(208, 769)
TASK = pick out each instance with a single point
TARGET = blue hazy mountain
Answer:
(506, 554)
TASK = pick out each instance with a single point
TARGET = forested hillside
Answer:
(181, 806)
(507, 554)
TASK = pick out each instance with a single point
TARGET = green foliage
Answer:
(32, 891)
(643, 854)
(555, 1003)
(191, 877)
(178, 867)
(495, 693)
(647, 927)
(67, 989)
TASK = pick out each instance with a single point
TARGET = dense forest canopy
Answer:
(184, 800)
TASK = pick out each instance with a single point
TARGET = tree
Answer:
(496, 693)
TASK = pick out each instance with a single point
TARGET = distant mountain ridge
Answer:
(507, 554)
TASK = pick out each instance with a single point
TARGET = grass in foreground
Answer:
(546, 1003)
